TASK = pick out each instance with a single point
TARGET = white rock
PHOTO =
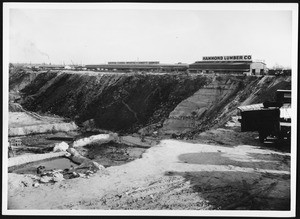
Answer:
(67, 154)
(63, 146)
(57, 177)
(75, 174)
(81, 175)
(45, 179)
(36, 185)
(72, 151)
(58, 171)
(94, 138)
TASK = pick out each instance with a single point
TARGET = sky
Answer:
(95, 36)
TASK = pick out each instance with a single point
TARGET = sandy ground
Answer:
(171, 175)
(20, 119)
(27, 123)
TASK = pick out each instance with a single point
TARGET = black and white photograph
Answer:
(157, 109)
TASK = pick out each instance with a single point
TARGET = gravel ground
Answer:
(172, 175)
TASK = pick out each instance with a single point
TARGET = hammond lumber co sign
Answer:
(228, 58)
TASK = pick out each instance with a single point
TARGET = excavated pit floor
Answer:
(44, 142)
(111, 154)
(108, 154)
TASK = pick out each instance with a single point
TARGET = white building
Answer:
(68, 67)
(258, 68)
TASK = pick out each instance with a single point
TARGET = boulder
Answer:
(81, 175)
(57, 177)
(71, 152)
(45, 179)
(76, 157)
(36, 185)
(84, 162)
(62, 146)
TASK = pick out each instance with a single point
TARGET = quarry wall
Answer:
(126, 103)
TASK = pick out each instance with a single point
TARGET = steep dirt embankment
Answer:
(117, 102)
(169, 103)
(215, 103)
(23, 122)
(20, 78)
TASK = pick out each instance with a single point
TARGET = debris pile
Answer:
(44, 176)
(47, 176)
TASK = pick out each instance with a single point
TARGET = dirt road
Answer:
(171, 175)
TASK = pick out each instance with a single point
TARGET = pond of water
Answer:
(49, 164)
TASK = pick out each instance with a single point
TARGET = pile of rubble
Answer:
(53, 176)
(86, 168)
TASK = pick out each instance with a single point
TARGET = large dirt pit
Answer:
(179, 145)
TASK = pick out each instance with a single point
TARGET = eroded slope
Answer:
(181, 104)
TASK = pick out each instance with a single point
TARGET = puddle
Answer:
(107, 154)
(49, 164)
(111, 154)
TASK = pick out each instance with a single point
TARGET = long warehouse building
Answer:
(239, 64)
(140, 66)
